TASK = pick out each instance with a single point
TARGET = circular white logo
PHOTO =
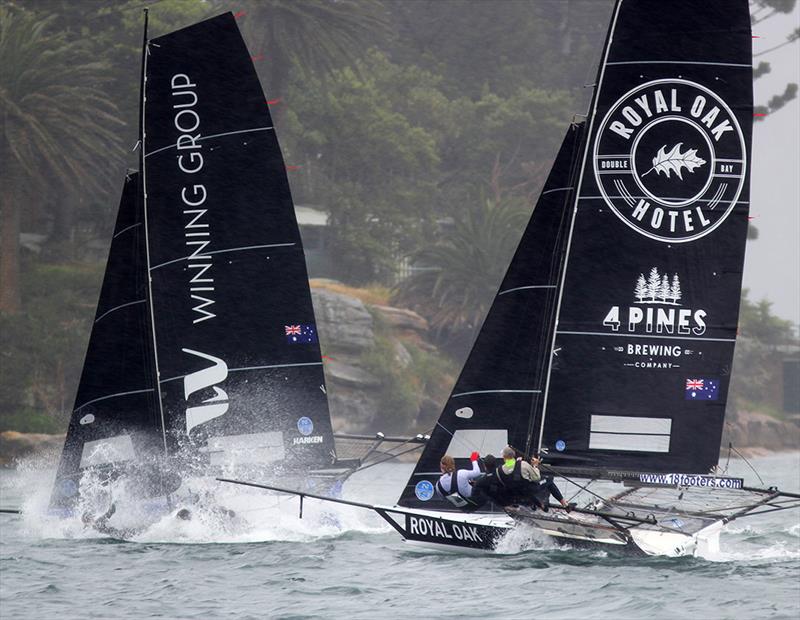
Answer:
(670, 160)
(424, 490)
(305, 426)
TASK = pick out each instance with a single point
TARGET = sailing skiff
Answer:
(609, 346)
(204, 354)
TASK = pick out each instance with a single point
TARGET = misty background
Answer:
(411, 130)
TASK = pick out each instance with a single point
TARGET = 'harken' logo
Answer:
(670, 160)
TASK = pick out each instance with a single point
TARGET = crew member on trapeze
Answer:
(525, 484)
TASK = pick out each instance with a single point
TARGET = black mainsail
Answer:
(238, 357)
(650, 293)
(206, 291)
(624, 364)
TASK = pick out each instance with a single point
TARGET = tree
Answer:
(312, 37)
(757, 358)
(461, 273)
(761, 10)
(57, 119)
(663, 292)
(368, 159)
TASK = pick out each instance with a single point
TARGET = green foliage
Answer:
(757, 361)
(41, 350)
(368, 159)
(311, 37)
(461, 274)
(404, 387)
(58, 120)
(399, 395)
(28, 420)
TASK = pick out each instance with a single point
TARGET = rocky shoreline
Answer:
(752, 434)
(383, 374)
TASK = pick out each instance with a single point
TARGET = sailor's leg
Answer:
(553, 489)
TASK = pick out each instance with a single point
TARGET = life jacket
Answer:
(514, 483)
(453, 496)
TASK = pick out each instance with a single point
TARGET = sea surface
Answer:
(344, 562)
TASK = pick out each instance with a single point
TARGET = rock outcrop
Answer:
(366, 347)
(748, 429)
(15, 446)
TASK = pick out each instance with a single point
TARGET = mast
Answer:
(562, 274)
(143, 197)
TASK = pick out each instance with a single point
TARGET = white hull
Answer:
(476, 532)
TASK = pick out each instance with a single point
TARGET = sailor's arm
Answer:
(530, 473)
(476, 468)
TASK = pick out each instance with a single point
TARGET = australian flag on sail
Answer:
(702, 389)
(301, 334)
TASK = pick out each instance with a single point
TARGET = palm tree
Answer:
(461, 273)
(311, 36)
(57, 125)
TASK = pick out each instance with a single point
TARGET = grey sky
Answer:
(772, 266)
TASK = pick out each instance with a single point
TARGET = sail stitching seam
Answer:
(742, 202)
(571, 333)
(679, 62)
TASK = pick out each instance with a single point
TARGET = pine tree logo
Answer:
(657, 289)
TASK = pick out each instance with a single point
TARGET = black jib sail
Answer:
(498, 396)
(649, 301)
(237, 352)
(114, 419)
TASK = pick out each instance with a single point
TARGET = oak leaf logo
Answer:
(675, 161)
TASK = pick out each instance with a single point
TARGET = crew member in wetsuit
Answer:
(459, 494)
(546, 488)
(523, 481)
(487, 487)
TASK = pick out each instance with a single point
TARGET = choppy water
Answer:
(272, 565)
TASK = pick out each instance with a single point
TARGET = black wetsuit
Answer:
(488, 488)
(545, 489)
